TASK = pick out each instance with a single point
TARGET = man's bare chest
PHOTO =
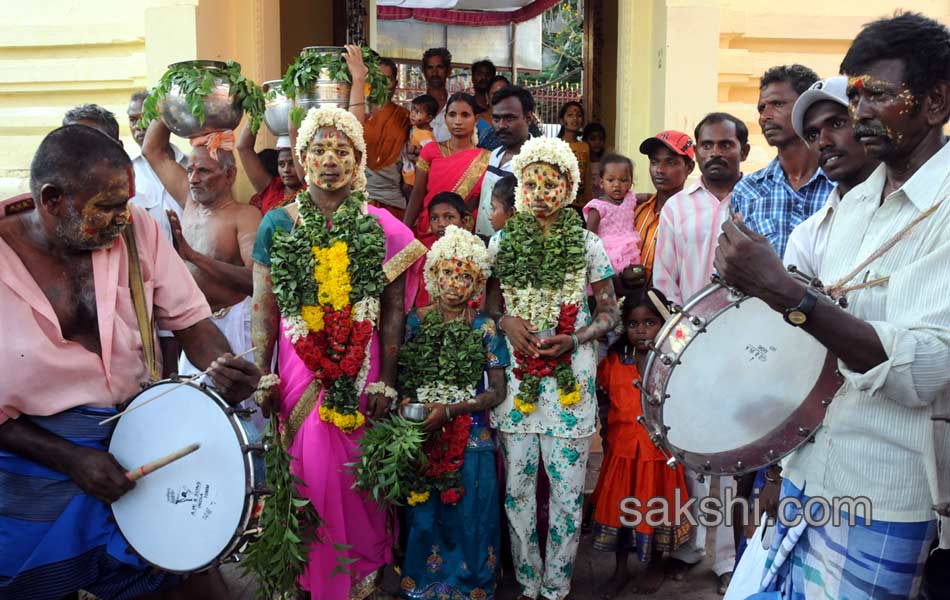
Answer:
(211, 235)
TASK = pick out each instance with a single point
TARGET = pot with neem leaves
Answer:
(197, 97)
(320, 77)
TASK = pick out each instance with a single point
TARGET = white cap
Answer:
(283, 141)
(834, 89)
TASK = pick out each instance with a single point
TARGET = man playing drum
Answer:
(887, 255)
(73, 351)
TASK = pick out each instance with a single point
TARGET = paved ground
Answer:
(591, 570)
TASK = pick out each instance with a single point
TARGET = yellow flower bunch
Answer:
(416, 498)
(525, 408)
(571, 398)
(346, 423)
(331, 272)
(313, 317)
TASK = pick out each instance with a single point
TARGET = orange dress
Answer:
(633, 467)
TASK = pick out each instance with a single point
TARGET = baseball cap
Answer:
(834, 89)
(677, 141)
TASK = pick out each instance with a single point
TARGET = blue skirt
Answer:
(452, 550)
(55, 539)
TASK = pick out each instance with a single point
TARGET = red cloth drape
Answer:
(468, 18)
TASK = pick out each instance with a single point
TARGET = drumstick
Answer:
(184, 381)
(945, 417)
(136, 474)
(660, 307)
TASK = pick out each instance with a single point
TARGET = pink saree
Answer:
(461, 173)
(320, 450)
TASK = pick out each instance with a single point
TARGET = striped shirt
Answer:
(646, 218)
(688, 234)
(770, 206)
(878, 439)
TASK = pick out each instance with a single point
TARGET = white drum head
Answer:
(723, 395)
(183, 516)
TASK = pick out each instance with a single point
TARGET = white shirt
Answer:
(151, 195)
(806, 243)
(878, 439)
(495, 171)
(439, 128)
(686, 241)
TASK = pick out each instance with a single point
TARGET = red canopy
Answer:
(469, 18)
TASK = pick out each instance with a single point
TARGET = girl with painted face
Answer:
(633, 467)
(456, 165)
(544, 261)
(454, 362)
(330, 268)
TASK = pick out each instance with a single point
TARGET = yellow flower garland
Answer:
(313, 317)
(347, 423)
(570, 398)
(525, 407)
(416, 498)
(331, 271)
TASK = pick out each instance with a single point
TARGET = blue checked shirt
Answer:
(772, 208)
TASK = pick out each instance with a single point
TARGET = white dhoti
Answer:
(694, 550)
(235, 323)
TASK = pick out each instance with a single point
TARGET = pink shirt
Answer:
(686, 241)
(43, 374)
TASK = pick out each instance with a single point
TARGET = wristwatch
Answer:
(798, 315)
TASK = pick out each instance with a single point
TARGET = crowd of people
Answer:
(512, 284)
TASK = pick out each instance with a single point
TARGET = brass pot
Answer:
(277, 109)
(222, 109)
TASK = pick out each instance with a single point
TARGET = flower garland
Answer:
(442, 363)
(542, 277)
(327, 282)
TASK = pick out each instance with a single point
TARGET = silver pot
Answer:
(222, 109)
(325, 91)
(414, 412)
(545, 333)
(277, 110)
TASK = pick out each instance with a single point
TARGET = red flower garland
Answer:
(560, 366)
(445, 452)
(336, 350)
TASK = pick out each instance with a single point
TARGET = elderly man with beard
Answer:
(886, 262)
(73, 350)
(215, 234)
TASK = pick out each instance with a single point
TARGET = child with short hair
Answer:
(596, 137)
(445, 209)
(424, 109)
(502, 201)
(632, 465)
(611, 218)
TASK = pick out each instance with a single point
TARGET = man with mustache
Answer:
(215, 234)
(685, 246)
(820, 117)
(512, 107)
(886, 261)
(73, 351)
(774, 200)
(436, 68)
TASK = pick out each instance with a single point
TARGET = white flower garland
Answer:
(553, 151)
(542, 307)
(295, 327)
(444, 394)
(344, 122)
(456, 244)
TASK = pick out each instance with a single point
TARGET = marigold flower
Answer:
(416, 498)
(570, 398)
(313, 317)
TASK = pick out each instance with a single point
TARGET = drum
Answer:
(196, 511)
(731, 387)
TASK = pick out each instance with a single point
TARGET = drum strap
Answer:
(302, 410)
(137, 288)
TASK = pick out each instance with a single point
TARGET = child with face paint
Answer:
(458, 398)
(544, 261)
(446, 209)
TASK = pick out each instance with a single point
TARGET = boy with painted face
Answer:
(461, 376)
(447, 209)
(545, 259)
(330, 265)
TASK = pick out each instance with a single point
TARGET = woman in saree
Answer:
(456, 165)
(331, 275)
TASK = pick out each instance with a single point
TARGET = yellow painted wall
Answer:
(680, 59)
